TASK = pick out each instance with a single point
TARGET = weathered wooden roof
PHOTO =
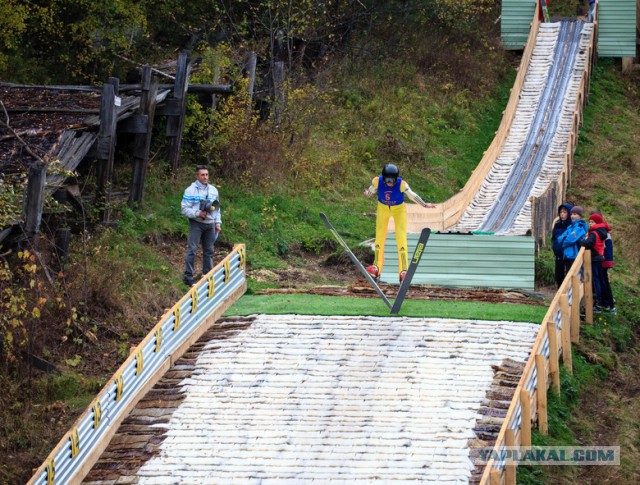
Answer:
(296, 399)
(40, 117)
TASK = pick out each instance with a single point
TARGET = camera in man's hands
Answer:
(208, 205)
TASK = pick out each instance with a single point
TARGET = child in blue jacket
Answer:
(561, 225)
(570, 239)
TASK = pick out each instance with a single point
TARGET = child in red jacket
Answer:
(608, 302)
(596, 236)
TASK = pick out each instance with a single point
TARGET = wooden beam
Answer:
(175, 124)
(142, 141)
(588, 288)
(566, 333)
(525, 426)
(495, 478)
(34, 201)
(105, 145)
(541, 393)
(554, 368)
(510, 470)
(575, 308)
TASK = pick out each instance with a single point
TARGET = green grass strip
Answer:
(303, 304)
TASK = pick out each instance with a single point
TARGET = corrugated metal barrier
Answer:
(467, 261)
(182, 325)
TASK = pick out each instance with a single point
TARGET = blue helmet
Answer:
(390, 173)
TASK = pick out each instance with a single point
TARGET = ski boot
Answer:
(374, 272)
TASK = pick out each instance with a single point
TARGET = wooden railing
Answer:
(177, 330)
(558, 331)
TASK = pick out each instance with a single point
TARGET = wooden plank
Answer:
(510, 470)
(566, 333)
(495, 477)
(588, 288)
(541, 391)
(106, 148)
(142, 143)
(575, 308)
(34, 200)
(525, 426)
(175, 124)
(554, 368)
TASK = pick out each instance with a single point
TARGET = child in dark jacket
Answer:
(594, 241)
(570, 239)
(561, 225)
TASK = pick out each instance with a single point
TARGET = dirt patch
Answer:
(361, 288)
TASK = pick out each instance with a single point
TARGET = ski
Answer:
(413, 265)
(355, 260)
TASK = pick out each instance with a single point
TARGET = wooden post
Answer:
(494, 477)
(34, 200)
(252, 60)
(541, 393)
(566, 333)
(588, 287)
(105, 149)
(510, 470)
(176, 108)
(278, 90)
(554, 370)
(143, 132)
(575, 308)
(525, 426)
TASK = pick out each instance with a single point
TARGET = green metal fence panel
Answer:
(515, 22)
(468, 261)
(617, 28)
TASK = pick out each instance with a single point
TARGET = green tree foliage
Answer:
(74, 39)
(12, 25)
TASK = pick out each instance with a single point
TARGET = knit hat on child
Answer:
(597, 218)
(577, 210)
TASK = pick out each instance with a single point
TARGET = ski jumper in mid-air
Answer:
(391, 190)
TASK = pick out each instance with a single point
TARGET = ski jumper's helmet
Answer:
(390, 173)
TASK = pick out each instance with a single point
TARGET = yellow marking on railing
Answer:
(75, 443)
(243, 258)
(177, 315)
(119, 386)
(97, 415)
(139, 363)
(158, 334)
(51, 472)
(212, 285)
(227, 271)
(194, 300)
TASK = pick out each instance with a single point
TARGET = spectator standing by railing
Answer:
(570, 239)
(560, 226)
(594, 241)
(608, 303)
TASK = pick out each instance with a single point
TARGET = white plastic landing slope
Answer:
(534, 84)
(295, 399)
